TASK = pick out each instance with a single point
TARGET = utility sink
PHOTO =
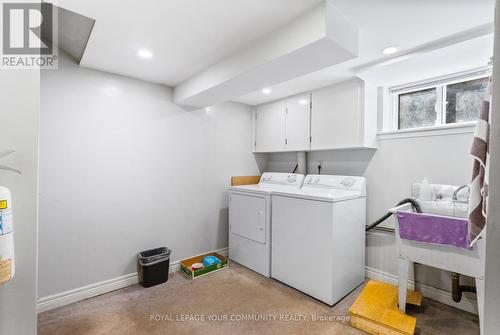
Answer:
(442, 221)
(432, 228)
(438, 237)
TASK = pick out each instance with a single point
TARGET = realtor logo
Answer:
(29, 35)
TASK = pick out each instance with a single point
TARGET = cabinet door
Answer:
(298, 122)
(247, 217)
(336, 116)
(270, 127)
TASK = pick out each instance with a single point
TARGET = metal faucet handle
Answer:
(455, 194)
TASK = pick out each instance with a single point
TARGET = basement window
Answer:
(417, 109)
(451, 100)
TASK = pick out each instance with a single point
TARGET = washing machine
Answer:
(318, 236)
(250, 219)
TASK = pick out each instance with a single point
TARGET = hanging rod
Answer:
(4, 154)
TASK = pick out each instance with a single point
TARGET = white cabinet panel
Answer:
(248, 217)
(270, 127)
(337, 116)
(298, 122)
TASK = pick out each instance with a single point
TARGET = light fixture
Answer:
(144, 53)
(303, 102)
(110, 90)
(266, 90)
(390, 50)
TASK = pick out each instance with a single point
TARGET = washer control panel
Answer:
(354, 183)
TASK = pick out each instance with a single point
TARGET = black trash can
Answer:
(152, 266)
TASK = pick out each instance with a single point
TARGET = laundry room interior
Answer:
(254, 167)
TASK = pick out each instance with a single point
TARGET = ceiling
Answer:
(474, 54)
(185, 36)
(382, 23)
(189, 36)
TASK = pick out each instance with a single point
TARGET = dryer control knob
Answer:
(347, 182)
(316, 180)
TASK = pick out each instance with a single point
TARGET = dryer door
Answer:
(247, 217)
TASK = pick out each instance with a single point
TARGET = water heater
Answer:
(7, 267)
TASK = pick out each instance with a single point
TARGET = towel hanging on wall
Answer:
(479, 186)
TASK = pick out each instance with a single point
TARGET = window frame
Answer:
(440, 85)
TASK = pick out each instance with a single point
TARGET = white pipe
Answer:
(302, 162)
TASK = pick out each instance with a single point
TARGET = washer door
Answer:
(247, 217)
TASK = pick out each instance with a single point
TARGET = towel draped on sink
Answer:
(479, 186)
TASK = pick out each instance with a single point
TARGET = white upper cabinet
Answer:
(283, 125)
(339, 118)
(298, 123)
(270, 127)
(334, 117)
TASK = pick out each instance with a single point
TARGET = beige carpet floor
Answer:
(184, 306)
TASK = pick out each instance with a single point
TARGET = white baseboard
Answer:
(93, 290)
(467, 304)
(85, 292)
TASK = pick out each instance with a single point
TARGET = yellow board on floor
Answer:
(376, 310)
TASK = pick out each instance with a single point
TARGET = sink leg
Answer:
(403, 268)
(480, 302)
(418, 286)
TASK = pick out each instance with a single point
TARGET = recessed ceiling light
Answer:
(390, 50)
(143, 53)
(266, 90)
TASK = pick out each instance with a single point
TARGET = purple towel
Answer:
(434, 229)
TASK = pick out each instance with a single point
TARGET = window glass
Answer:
(464, 100)
(417, 109)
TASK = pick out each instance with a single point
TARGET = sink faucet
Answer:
(455, 194)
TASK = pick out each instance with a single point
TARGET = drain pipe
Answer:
(457, 289)
(302, 162)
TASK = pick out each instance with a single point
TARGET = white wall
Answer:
(395, 166)
(390, 170)
(19, 113)
(398, 162)
(123, 169)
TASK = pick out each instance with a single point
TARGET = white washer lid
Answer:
(329, 188)
(329, 195)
